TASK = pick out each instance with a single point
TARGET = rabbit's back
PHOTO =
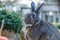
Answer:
(42, 31)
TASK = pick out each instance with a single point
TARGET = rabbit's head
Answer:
(33, 17)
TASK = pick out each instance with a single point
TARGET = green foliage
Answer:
(13, 22)
(58, 25)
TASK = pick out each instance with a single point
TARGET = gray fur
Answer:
(42, 31)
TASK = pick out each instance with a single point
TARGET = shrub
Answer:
(13, 21)
(57, 25)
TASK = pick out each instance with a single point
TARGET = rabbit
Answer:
(37, 29)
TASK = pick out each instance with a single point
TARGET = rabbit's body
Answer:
(42, 31)
(39, 29)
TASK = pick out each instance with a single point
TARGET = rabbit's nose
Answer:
(26, 21)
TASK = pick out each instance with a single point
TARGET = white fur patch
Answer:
(28, 25)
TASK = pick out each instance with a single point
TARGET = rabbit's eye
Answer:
(33, 16)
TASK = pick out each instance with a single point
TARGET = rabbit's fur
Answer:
(39, 29)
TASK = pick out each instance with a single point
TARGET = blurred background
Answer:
(49, 12)
(14, 11)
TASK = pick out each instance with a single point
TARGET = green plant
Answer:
(13, 21)
(57, 25)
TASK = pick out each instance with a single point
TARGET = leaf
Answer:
(13, 21)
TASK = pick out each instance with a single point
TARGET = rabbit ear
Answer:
(33, 6)
(37, 10)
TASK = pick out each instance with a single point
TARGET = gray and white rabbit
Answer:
(37, 29)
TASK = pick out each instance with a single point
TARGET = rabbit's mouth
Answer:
(28, 25)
